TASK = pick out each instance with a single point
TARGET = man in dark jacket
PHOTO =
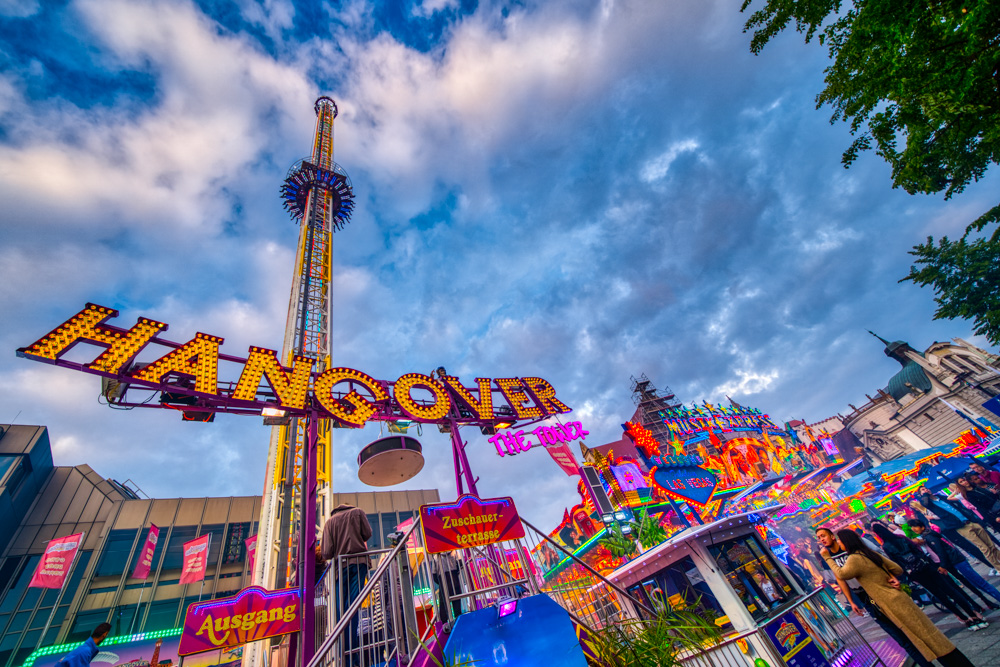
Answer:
(952, 560)
(347, 532)
(87, 651)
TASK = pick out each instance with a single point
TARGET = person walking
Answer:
(952, 560)
(985, 502)
(955, 518)
(83, 654)
(877, 575)
(853, 590)
(989, 476)
(921, 569)
(346, 533)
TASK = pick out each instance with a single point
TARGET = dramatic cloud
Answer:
(584, 191)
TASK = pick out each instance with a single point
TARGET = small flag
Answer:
(56, 562)
(195, 559)
(145, 563)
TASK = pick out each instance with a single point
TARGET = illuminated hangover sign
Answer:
(191, 371)
(517, 442)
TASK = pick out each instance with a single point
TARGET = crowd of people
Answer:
(915, 556)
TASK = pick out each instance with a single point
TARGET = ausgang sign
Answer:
(346, 395)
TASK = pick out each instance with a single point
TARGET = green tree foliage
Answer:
(966, 278)
(919, 83)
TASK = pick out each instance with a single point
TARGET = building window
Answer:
(174, 556)
(235, 547)
(20, 582)
(84, 624)
(215, 544)
(162, 616)
(373, 541)
(116, 555)
(17, 473)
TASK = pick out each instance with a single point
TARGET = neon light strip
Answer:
(466, 498)
(110, 641)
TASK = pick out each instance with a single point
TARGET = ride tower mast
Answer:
(317, 192)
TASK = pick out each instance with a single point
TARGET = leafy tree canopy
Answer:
(919, 83)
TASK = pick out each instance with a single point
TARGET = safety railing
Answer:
(367, 606)
(826, 626)
(589, 597)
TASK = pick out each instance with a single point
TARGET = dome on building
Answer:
(910, 375)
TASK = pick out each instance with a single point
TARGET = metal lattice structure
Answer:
(650, 404)
(318, 193)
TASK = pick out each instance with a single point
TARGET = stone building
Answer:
(934, 397)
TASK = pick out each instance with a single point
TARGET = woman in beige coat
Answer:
(877, 575)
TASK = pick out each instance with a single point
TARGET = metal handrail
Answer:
(373, 580)
(597, 574)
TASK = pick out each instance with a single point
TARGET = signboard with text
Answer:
(689, 483)
(252, 614)
(469, 522)
(794, 644)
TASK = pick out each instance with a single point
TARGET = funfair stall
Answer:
(726, 569)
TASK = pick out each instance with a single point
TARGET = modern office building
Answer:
(40, 501)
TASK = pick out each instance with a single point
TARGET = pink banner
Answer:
(251, 544)
(145, 562)
(251, 615)
(563, 456)
(195, 559)
(56, 562)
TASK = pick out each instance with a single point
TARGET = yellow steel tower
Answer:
(316, 192)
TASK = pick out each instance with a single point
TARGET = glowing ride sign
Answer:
(546, 435)
(252, 614)
(191, 369)
(469, 522)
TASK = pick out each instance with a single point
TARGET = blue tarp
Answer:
(854, 484)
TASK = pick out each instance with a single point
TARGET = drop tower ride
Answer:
(318, 194)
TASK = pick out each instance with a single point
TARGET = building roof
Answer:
(911, 376)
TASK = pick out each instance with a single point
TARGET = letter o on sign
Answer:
(436, 410)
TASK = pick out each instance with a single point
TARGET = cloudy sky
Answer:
(582, 191)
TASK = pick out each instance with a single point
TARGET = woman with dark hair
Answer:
(877, 575)
(980, 498)
(921, 569)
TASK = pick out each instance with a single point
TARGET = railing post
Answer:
(406, 592)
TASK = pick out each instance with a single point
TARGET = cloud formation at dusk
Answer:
(582, 191)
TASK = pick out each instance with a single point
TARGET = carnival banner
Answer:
(145, 562)
(563, 456)
(469, 522)
(252, 614)
(195, 559)
(251, 544)
(56, 562)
